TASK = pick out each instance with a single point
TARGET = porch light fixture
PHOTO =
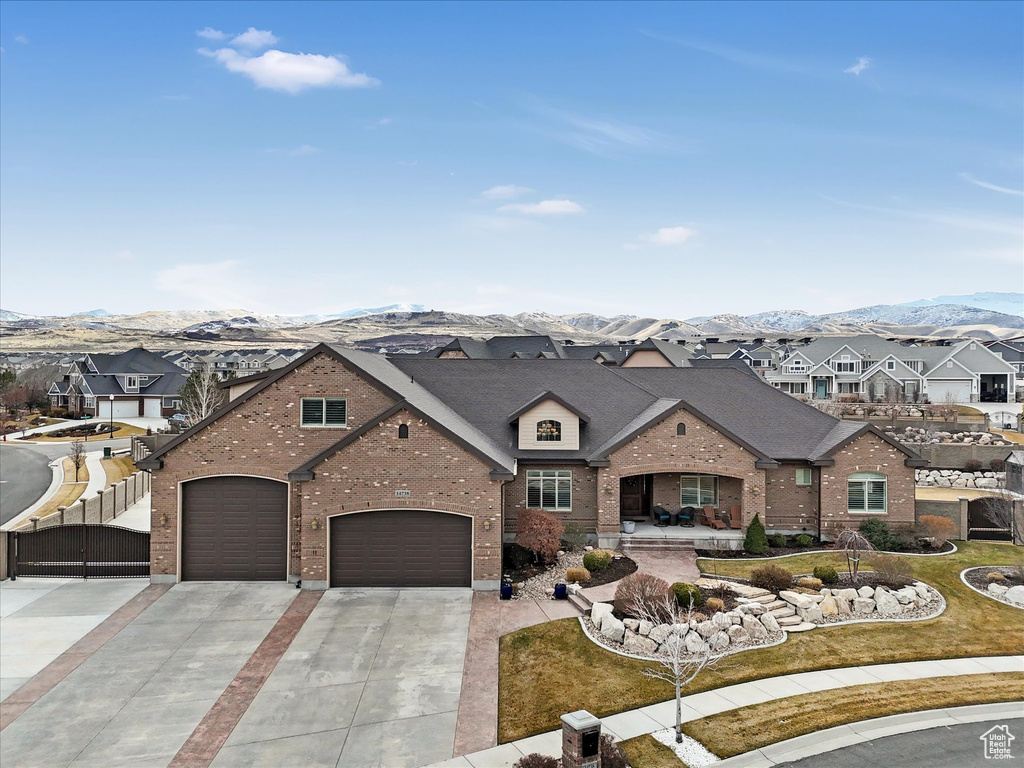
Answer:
(163, 519)
(487, 525)
(314, 523)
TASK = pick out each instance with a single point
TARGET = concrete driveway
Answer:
(372, 678)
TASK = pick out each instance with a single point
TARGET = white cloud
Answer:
(291, 72)
(21, 39)
(543, 208)
(504, 192)
(216, 285)
(993, 187)
(253, 39)
(210, 33)
(862, 63)
(668, 236)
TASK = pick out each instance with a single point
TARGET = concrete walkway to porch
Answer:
(671, 566)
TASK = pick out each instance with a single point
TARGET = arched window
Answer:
(549, 431)
(680, 429)
(866, 493)
(403, 431)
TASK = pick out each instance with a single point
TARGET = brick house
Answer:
(347, 468)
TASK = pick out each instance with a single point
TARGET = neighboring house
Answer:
(1014, 466)
(348, 468)
(656, 353)
(653, 352)
(871, 368)
(132, 383)
(1010, 351)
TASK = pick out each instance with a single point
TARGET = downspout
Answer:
(819, 503)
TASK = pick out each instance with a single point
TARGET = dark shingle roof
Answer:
(136, 360)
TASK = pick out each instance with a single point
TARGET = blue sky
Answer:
(655, 159)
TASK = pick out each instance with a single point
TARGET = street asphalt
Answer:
(957, 746)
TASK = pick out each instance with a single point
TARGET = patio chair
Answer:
(711, 520)
(687, 516)
(735, 517)
(660, 516)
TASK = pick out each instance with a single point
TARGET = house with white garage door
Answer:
(127, 384)
(869, 368)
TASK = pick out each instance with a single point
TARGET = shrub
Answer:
(612, 755)
(597, 560)
(893, 570)
(809, 582)
(575, 537)
(541, 533)
(577, 575)
(826, 573)
(640, 594)
(997, 465)
(803, 540)
(714, 604)
(777, 540)
(878, 533)
(537, 760)
(972, 465)
(940, 529)
(515, 556)
(771, 577)
(685, 593)
(755, 542)
(995, 576)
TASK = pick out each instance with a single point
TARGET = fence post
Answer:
(12, 554)
(964, 517)
(35, 523)
(62, 510)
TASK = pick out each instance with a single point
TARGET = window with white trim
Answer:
(803, 476)
(549, 489)
(89, 402)
(890, 365)
(698, 490)
(131, 383)
(549, 431)
(324, 411)
(844, 367)
(866, 493)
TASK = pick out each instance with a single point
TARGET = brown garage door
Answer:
(234, 529)
(401, 548)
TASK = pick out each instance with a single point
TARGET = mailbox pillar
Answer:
(581, 740)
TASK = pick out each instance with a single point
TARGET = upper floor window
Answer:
(324, 412)
(549, 488)
(549, 431)
(680, 428)
(843, 367)
(890, 365)
(866, 492)
(131, 383)
(403, 431)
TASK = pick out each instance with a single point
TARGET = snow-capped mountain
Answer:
(1007, 303)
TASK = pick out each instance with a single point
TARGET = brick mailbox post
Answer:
(581, 740)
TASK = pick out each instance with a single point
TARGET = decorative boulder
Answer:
(719, 641)
(998, 589)
(795, 599)
(722, 620)
(694, 644)
(735, 616)
(755, 628)
(632, 624)
(886, 602)
(922, 590)
(866, 592)
(1015, 595)
(828, 606)
(612, 628)
(753, 609)
(660, 633)
(599, 611)
(639, 644)
(706, 629)
(810, 615)
(843, 605)
(906, 596)
(645, 628)
(770, 622)
(738, 634)
(863, 605)
(847, 594)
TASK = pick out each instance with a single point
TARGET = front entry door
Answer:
(820, 389)
(633, 498)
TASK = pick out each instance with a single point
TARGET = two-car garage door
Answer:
(949, 391)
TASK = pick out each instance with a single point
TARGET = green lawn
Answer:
(552, 668)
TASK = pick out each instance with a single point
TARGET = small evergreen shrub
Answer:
(826, 573)
(516, 556)
(755, 542)
(771, 577)
(577, 575)
(714, 604)
(803, 540)
(878, 533)
(686, 592)
(777, 540)
(972, 465)
(597, 560)
(997, 465)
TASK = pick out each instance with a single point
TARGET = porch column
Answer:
(608, 508)
(755, 486)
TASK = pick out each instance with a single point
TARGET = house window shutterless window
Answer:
(549, 489)
(680, 429)
(803, 476)
(698, 490)
(866, 492)
(324, 412)
(403, 431)
(549, 431)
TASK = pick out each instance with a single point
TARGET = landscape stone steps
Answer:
(655, 545)
(780, 613)
(764, 599)
(775, 604)
(789, 621)
(802, 627)
(743, 590)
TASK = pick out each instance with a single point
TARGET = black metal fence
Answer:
(83, 551)
(990, 518)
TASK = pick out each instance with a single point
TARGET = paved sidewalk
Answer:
(656, 717)
(136, 516)
(670, 566)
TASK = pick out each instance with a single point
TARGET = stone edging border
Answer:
(828, 552)
(785, 634)
(990, 596)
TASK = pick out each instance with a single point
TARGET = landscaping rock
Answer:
(828, 606)
(1015, 595)
(599, 611)
(753, 609)
(722, 620)
(815, 598)
(640, 644)
(863, 605)
(843, 605)
(660, 633)
(738, 634)
(632, 624)
(707, 628)
(922, 590)
(736, 616)
(811, 614)
(694, 643)
(754, 628)
(866, 592)
(998, 589)
(906, 596)
(770, 623)
(645, 628)
(886, 602)
(719, 641)
(847, 594)
(612, 628)
(795, 598)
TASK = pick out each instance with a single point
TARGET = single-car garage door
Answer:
(234, 529)
(942, 391)
(121, 407)
(401, 548)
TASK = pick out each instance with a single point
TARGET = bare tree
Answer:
(679, 662)
(852, 542)
(76, 453)
(200, 395)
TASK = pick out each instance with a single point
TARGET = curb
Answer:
(989, 595)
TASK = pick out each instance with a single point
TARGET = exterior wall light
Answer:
(487, 525)
(314, 523)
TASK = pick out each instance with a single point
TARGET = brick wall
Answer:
(438, 473)
(868, 453)
(260, 437)
(666, 491)
(789, 507)
(584, 496)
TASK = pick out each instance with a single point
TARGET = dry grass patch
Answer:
(1013, 437)
(68, 493)
(552, 668)
(645, 752)
(742, 730)
(118, 469)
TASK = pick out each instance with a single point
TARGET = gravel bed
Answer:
(536, 588)
(690, 751)
(977, 579)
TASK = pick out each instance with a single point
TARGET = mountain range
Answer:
(411, 326)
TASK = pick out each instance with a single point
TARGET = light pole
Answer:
(111, 417)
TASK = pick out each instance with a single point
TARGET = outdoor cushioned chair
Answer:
(735, 517)
(687, 515)
(711, 520)
(660, 516)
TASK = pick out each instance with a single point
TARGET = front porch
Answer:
(699, 537)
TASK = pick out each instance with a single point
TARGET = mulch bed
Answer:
(867, 579)
(619, 567)
(978, 577)
(827, 547)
